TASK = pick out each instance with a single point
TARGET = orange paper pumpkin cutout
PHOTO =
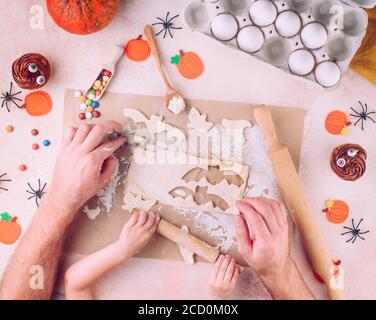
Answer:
(38, 103)
(137, 49)
(189, 64)
(337, 122)
(336, 211)
(10, 230)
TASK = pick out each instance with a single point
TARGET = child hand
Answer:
(137, 232)
(224, 277)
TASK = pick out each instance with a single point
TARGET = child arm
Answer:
(134, 236)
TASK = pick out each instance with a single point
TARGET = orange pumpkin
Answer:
(38, 103)
(337, 122)
(137, 49)
(336, 211)
(10, 230)
(189, 64)
(82, 16)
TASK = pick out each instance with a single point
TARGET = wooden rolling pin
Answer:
(199, 247)
(296, 200)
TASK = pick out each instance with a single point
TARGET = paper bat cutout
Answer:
(200, 196)
(214, 176)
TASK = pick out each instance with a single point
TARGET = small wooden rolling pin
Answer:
(296, 200)
(199, 247)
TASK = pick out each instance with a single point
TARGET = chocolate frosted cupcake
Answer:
(348, 161)
(31, 71)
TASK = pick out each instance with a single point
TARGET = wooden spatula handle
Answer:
(148, 30)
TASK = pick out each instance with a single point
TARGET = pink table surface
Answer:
(229, 76)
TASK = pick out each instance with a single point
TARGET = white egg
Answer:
(314, 35)
(288, 24)
(301, 62)
(263, 13)
(327, 73)
(224, 27)
(250, 39)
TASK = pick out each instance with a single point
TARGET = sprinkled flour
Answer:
(106, 195)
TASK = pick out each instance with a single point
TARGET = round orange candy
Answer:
(22, 167)
(137, 49)
(9, 128)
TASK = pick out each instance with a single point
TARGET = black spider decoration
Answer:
(362, 115)
(4, 180)
(9, 97)
(167, 25)
(36, 193)
(354, 231)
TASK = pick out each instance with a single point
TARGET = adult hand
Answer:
(84, 165)
(268, 252)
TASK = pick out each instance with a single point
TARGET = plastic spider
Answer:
(4, 180)
(9, 97)
(362, 115)
(37, 193)
(167, 25)
(354, 231)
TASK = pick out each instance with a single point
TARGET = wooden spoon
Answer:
(171, 92)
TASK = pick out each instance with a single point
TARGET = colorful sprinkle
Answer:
(9, 128)
(88, 102)
(83, 106)
(89, 109)
(97, 83)
(106, 78)
(91, 96)
(83, 99)
(46, 142)
(95, 104)
(22, 167)
(34, 132)
(77, 94)
(91, 91)
(82, 116)
(88, 115)
(35, 146)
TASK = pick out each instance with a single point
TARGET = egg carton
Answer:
(314, 39)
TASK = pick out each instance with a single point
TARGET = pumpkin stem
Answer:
(139, 37)
(182, 53)
(325, 210)
(348, 123)
(14, 219)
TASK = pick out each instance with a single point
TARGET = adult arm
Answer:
(83, 167)
(268, 253)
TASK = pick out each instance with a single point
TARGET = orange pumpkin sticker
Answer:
(10, 230)
(336, 211)
(137, 49)
(38, 103)
(337, 123)
(189, 64)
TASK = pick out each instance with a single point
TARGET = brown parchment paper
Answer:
(87, 236)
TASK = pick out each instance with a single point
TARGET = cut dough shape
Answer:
(132, 202)
(155, 125)
(146, 171)
(236, 124)
(198, 121)
(188, 256)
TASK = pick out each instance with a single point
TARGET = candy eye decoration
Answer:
(41, 80)
(352, 152)
(33, 68)
(341, 162)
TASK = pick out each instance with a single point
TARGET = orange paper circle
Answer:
(38, 103)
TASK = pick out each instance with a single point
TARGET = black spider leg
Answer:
(6, 104)
(4, 180)
(357, 115)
